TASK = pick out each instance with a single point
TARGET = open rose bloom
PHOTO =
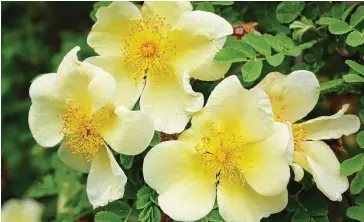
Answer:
(27, 210)
(153, 52)
(293, 96)
(77, 107)
(234, 152)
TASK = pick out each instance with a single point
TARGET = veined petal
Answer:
(74, 160)
(186, 191)
(106, 180)
(292, 96)
(248, 111)
(130, 133)
(128, 87)
(47, 104)
(325, 169)
(15, 210)
(240, 203)
(171, 11)
(199, 36)
(83, 82)
(113, 24)
(331, 127)
(266, 162)
(170, 101)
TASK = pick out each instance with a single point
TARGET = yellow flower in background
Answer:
(77, 106)
(293, 96)
(160, 46)
(27, 210)
(234, 148)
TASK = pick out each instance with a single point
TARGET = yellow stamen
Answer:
(149, 48)
(82, 129)
(299, 136)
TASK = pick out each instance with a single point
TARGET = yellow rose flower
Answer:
(293, 96)
(77, 106)
(160, 46)
(234, 149)
(15, 210)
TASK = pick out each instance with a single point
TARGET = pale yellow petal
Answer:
(106, 180)
(325, 169)
(186, 191)
(113, 24)
(298, 172)
(199, 36)
(47, 104)
(128, 88)
(171, 11)
(331, 127)
(266, 162)
(84, 83)
(74, 160)
(248, 112)
(240, 203)
(170, 100)
(292, 96)
(15, 210)
(130, 133)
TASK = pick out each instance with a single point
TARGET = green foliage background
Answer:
(326, 38)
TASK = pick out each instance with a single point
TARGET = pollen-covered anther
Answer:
(148, 49)
(299, 136)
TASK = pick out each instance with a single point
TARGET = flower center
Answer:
(220, 154)
(82, 129)
(299, 136)
(148, 47)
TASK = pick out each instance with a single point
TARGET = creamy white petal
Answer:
(74, 160)
(128, 87)
(298, 172)
(170, 101)
(240, 203)
(266, 162)
(249, 111)
(292, 96)
(84, 83)
(171, 11)
(15, 210)
(113, 24)
(199, 36)
(186, 191)
(325, 169)
(131, 133)
(47, 104)
(106, 180)
(332, 127)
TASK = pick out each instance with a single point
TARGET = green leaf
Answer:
(222, 2)
(301, 216)
(105, 216)
(360, 201)
(354, 65)
(338, 9)
(156, 139)
(321, 219)
(46, 187)
(205, 6)
(352, 165)
(145, 213)
(353, 78)
(258, 43)
(274, 42)
(360, 138)
(347, 11)
(314, 202)
(356, 213)
(126, 161)
(355, 38)
(332, 85)
(339, 28)
(361, 115)
(357, 184)
(288, 11)
(251, 70)
(245, 48)
(327, 21)
(230, 55)
(357, 17)
(119, 208)
(275, 60)
(156, 214)
(143, 202)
